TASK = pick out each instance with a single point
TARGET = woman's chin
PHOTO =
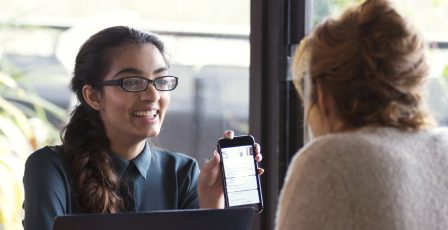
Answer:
(152, 132)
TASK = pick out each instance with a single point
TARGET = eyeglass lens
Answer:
(140, 84)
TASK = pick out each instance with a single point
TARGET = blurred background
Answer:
(209, 50)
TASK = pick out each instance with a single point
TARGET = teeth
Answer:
(151, 113)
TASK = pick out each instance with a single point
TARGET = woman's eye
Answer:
(162, 82)
(132, 82)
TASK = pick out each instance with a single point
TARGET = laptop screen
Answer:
(216, 219)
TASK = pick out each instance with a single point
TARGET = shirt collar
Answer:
(142, 162)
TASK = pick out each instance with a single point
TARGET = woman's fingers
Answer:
(229, 134)
(258, 155)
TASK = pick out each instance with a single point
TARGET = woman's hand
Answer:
(210, 190)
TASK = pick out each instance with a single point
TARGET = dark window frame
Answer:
(276, 113)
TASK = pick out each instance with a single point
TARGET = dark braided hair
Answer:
(84, 138)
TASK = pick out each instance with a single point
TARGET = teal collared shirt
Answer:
(164, 180)
(142, 162)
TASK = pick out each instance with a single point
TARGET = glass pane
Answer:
(208, 49)
(212, 96)
(429, 17)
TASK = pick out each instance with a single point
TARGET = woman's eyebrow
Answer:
(161, 69)
(129, 70)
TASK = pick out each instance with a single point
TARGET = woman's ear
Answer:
(328, 111)
(326, 104)
(323, 101)
(92, 97)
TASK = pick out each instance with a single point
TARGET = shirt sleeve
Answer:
(313, 196)
(45, 190)
(190, 198)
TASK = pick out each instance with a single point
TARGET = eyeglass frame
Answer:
(119, 82)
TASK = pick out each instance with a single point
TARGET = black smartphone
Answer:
(240, 178)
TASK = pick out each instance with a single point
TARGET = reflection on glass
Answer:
(208, 50)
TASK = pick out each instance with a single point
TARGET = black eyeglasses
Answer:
(138, 84)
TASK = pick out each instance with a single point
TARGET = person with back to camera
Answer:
(377, 161)
(105, 164)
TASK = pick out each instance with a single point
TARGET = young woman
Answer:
(376, 161)
(105, 164)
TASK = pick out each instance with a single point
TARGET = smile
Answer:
(150, 113)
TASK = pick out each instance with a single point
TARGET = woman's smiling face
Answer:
(134, 116)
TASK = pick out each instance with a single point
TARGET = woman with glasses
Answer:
(105, 164)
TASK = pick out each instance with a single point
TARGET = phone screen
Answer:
(241, 179)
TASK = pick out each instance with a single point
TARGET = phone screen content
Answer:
(241, 180)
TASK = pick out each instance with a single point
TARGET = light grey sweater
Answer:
(374, 178)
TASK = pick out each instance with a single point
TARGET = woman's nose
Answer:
(151, 93)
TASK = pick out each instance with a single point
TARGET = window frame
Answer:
(275, 113)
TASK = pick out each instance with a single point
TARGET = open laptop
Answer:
(215, 219)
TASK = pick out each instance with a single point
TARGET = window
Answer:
(208, 49)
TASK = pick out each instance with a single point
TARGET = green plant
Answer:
(24, 127)
(445, 72)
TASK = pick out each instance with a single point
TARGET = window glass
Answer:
(208, 49)
(429, 17)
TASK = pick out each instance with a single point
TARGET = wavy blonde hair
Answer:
(371, 62)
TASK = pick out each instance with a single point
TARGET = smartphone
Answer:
(240, 178)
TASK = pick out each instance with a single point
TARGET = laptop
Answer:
(189, 219)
